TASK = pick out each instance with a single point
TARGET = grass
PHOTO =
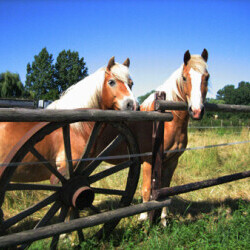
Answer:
(212, 218)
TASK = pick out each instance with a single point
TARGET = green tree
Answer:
(242, 96)
(40, 77)
(70, 69)
(11, 85)
(227, 94)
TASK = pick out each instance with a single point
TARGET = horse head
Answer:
(116, 91)
(195, 83)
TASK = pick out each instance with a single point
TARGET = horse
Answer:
(189, 83)
(107, 88)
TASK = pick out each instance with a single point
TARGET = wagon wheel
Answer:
(79, 194)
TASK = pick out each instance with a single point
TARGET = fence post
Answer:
(157, 158)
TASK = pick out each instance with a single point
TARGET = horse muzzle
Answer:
(130, 104)
(196, 114)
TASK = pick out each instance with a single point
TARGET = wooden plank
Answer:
(168, 105)
(11, 103)
(157, 157)
(49, 115)
(66, 227)
(170, 191)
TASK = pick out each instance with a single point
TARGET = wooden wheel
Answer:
(86, 190)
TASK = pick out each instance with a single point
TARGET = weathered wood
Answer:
(110, 171)
(11, 103)
(60, 228)
(90, 144)
(157, 157)
(31, 186)
(168, 105)
(38, 115)
(67, 149)
(108, 191)
(170, 191)
(47, 164)
(105, 152)
(13, 220)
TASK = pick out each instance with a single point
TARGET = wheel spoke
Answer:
(108, 191)
(81, 164)
(79, 231)
(61, 218)
(49, 215)
(67, 147)
(94, 164)
(13, 220)
(47, 164)
(109, 171)
(25, 186)
(44, 221)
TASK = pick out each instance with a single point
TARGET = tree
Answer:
(40, 77)
(227, 94)
(70, 69)
(243, 93)
(10, 85)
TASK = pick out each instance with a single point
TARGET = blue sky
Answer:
(153, 34)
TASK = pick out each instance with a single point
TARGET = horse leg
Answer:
(146, 186)
(168, 169)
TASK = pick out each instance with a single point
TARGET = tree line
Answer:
(44, 78)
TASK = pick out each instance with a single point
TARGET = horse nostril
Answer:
(130, 105)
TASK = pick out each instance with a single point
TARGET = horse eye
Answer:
(111, 83)
(184, 78)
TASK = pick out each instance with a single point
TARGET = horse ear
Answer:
(187, 57)
(126, 62)
(204, 55)
(111, 62)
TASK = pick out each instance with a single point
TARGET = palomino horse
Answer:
(107, 88)
(187, 84)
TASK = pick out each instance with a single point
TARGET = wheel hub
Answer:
(77, 193)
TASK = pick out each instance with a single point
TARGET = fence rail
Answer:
(167, 105)
(49, 115)
(12, 103)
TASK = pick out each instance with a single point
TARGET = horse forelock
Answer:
(121, 72)
(198, 64)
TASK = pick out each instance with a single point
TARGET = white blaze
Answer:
(195, 99)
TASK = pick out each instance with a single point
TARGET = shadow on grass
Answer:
(183, 207)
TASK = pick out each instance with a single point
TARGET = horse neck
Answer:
(84, 94)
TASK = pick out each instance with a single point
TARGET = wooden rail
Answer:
(49, 115)
(65, 227)
(11, 103)
(167, 105)
(169, 191)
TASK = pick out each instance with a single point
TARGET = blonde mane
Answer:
(175, 82)
(87, 93)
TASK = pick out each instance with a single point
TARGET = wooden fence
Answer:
(160, 195)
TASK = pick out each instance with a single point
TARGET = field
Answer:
(212, 218)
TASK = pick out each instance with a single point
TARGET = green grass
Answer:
(213, 218)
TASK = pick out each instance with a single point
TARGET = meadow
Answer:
(212, 218)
